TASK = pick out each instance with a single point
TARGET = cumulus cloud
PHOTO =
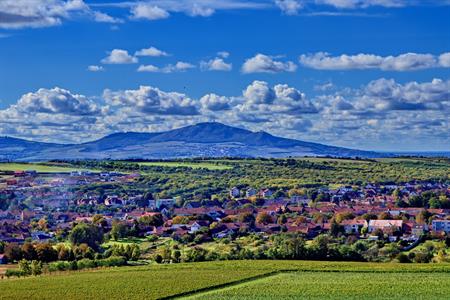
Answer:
(148, 11)
(118, 57)
(216, 64)
(444, 60)
(16, 14)
(213, 102)
(289, 7)
(148, 99)
(402, 62)
(180, 66)
(382, 112)
(351, 4)
(95, 68)
(152, 51)
(105, 18)
(261, 63)
(55, 101)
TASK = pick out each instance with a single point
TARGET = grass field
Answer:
(332, 285)
(239, 279)
(194, 165)
(40, 168)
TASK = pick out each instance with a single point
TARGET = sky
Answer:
(366, 74)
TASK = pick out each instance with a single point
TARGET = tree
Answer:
(13, 252)
(86, 234)
(36, 267)
(119, 230)
(25, 267)
(28, 251)
(136, 254)
(263, 218)
(46, 253)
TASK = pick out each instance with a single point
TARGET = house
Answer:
(168, 203)
(235, 192)
(388, 226)
(250, 192)
(265, 193)
(353, 226)
(3, 259)
(441, 225)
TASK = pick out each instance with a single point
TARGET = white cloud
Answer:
(148, 68)
(148, 99)
(95, 68)
(149, 12)
(105, 18)
(289, 7)
(119, 56)
(152, 51)
(383, 112)
(261, 63)
(56, 101)
(402, 62)
(223, 54)
(351, 4)
(444, 60)
(16, 14)
(180, 66)
(216, 64)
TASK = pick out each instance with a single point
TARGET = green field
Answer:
(40, 168)
(332, 285)
(193, 164)
(240, 279)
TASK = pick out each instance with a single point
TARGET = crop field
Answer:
(40, 168)
(333, 285)
(193, 165)
(239, 279)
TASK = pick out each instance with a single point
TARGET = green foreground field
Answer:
(240, 280)
(40, 168)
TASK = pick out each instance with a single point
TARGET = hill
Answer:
(201, 140)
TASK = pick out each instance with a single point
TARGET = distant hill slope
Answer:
(201, 140)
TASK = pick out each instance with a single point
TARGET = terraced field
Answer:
(240, 280)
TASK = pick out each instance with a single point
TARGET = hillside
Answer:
(200, 140)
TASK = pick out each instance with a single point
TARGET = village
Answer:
(45, 207)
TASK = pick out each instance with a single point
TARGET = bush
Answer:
(59, 266)
(85, 264)
(113, 261)
(14, 272)
(403, 258)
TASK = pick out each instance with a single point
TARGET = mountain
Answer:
(201, 140)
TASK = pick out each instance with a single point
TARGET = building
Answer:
(441, 225)
(387, 226)
(353, 226)
(235, 192)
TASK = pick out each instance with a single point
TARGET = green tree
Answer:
(119, 230)
(86, 234)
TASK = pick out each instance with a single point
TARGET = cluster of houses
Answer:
(369, 212)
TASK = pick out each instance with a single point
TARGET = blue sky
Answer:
(369, 74)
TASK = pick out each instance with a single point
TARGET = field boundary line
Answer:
(278, 272)
(223, 285)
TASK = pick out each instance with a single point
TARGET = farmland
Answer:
(40, 168)
(332, 285)
(239, 279)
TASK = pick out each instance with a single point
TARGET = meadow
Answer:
(238, 279)
(40, 168)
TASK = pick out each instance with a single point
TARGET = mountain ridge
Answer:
(207, 139)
